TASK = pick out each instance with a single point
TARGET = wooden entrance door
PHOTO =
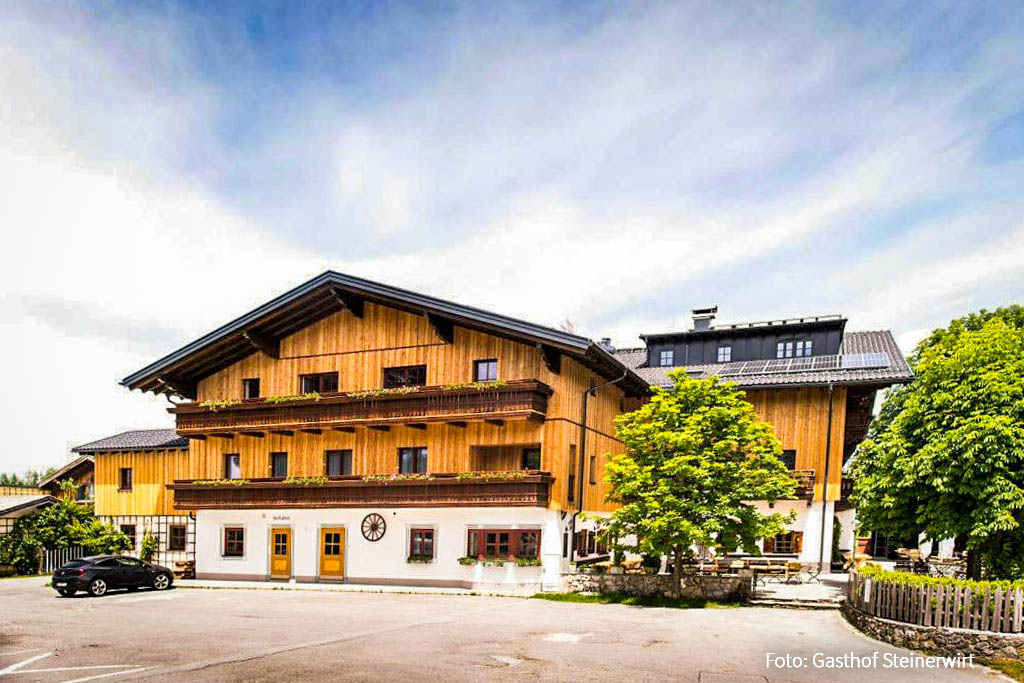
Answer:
(281, 553)
(332, 552)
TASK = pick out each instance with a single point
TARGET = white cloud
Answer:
(615, 174)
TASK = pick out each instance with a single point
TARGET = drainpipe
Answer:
(580, 470)
(824, 486)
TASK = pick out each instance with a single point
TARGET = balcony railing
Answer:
(804, 483)
(516, 399)
(520, 489)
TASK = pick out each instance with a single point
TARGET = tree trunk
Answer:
(974, 564)
(677, 571)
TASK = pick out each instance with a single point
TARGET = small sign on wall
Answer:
(867, 590)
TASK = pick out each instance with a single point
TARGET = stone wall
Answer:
(726, 588)
(946, 641)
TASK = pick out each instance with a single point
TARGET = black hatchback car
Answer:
(99, 573)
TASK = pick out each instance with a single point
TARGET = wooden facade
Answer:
(151, 472)
(457, 438)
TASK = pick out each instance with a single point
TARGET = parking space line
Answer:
(13, 668)
(19, 652)
(112, 673)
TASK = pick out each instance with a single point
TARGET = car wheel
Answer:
(97, 587)
(67, 592)
(161, 582)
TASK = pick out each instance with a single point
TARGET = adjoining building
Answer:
(18, 501)
(80, 473)
(132, 470)
(813, 380)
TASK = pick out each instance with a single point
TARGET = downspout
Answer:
(824, 485)
(580, 470)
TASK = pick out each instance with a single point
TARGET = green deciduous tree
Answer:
(946, 455)
(696, 456)
(61, 525)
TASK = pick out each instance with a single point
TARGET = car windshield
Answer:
(74, 563)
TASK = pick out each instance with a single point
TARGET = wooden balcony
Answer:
(520, 489)
(805, 484)
(514, 400)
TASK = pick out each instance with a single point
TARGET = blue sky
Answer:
(169, 165)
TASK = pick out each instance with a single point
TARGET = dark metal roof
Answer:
(325, 294)
(137, 440)
(880, 341)
(816, 322)
(82, 461)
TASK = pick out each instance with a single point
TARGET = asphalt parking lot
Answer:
(266, 635)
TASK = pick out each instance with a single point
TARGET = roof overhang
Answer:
(69, 469)
(28, 504)
(790, 326)
(262, 329)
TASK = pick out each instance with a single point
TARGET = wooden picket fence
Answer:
(938, 605)
(52, 559)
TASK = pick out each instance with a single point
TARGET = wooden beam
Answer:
(348, 430)
(282, 432)
(197, 437)
(261, 342)
(496, 423)
(456, 423)
(312, 430)
(224, 436)
(416, 425)
(258, 435)
(444, 328)
(552, 358)
(179, 386)
(380, 428)
(348, 300)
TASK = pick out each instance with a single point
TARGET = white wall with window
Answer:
(447, 534)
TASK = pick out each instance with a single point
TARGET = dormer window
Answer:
(794, 348)
(667, 357)
(724, 353)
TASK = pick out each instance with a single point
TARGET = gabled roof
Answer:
(263, 327)
(896, 370)
(137, 440)
(83, 461)
(11, 504)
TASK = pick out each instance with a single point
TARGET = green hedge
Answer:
(907, 579)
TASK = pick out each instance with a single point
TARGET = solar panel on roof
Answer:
(849, 361)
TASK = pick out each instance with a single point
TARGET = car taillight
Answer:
(79, 572)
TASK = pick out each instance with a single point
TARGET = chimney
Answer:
(606, 344)
(702, 318)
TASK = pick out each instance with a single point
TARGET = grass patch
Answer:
(1013, 668)
(635, 601)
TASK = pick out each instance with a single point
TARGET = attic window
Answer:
(794, 348)
(251, 388)
(407, 376)
(667, 357)
(724, 353)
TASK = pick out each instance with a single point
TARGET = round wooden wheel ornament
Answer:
(374, 527)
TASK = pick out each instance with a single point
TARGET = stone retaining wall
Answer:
(946, 641)
(726, 588)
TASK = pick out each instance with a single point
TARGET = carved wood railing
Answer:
(528, 489)
(516, 399)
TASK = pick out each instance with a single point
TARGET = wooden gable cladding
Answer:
(800, 419)
(151, 471)
(360, 348)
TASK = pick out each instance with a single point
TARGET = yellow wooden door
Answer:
(281, 553)
(332, 552)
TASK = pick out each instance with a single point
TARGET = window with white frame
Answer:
(794, 348)
(667, 357)
(724, 353)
